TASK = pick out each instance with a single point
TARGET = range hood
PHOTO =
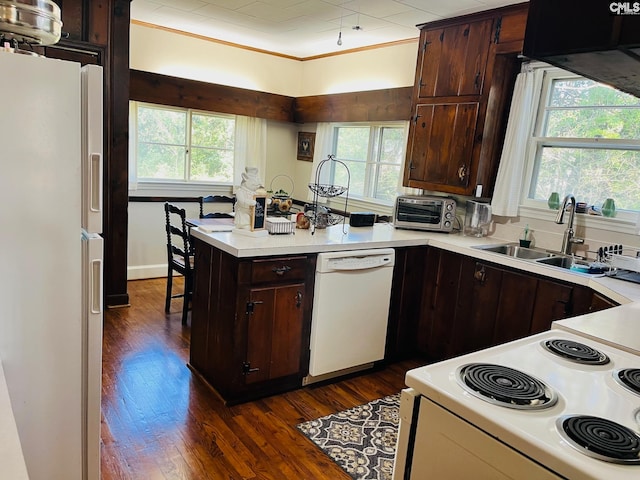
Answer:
(597, 39)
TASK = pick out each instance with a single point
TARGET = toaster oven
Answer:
(423, 212)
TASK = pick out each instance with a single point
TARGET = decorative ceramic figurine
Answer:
(245, 197)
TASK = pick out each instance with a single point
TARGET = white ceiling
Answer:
(303, 28)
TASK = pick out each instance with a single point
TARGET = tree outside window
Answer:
(374, 154)
(587, 142)
(184, 145)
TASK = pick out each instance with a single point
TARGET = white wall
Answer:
(159, 51)
(387, 67)
(167, 53)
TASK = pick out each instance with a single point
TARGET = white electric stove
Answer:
(542, 415)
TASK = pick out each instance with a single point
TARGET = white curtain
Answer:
(323, 148)
(524, 106)
(250, 148)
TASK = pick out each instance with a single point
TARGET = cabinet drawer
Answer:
(278, 269)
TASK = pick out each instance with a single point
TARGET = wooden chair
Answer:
(221, 199)
(179, 256)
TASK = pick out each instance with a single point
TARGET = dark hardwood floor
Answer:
(161, 422)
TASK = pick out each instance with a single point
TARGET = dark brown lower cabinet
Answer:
(468, 304)
(251, 322)
(275, 324)
(404, 308)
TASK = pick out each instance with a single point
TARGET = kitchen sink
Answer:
(563, 261)
(560, 261)
(537, 255)
(514, 250)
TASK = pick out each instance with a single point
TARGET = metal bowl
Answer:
(30, 21)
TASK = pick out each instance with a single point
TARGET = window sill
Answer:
(180, 189)
(625, 223)
(359, 205)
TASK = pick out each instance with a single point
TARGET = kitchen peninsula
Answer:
(252, 302)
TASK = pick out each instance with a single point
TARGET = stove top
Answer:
(570, 392)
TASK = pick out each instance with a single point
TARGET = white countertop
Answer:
(384, 235)
(617, 326)
(329, 239)
(11, 457)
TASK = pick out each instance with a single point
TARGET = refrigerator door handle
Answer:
(95, 182)
(96, 287)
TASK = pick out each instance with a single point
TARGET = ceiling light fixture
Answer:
(340, 34)
(357, 26)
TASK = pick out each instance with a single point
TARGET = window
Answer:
(586, 142)
(374, 154)
(183, 145)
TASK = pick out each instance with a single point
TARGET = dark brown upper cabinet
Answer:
(465, 73)
(453, 59)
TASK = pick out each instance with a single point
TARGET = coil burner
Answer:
(629, 378)
(601, 438)
(575, 352)
(505, 386)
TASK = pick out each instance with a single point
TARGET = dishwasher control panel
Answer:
(355, 259)
(358, 263)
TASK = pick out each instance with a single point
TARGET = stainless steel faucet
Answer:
(568, 239)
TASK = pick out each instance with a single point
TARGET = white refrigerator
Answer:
(51, 308)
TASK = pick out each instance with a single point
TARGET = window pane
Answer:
(161, 162)
(578, 92)
(387, 187)
(594, 123)
(212, 131)
(352, 143)
(357, 173)
(392, 145)
(212, 165)
(161, 126)
(591, 175)
(581, 108)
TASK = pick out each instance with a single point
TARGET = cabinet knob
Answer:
(480, 273)
(298, 299)
(462, 173)
(281, 270)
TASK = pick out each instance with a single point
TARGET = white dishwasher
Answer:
(350, 311)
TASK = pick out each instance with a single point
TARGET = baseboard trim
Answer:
(142, 272)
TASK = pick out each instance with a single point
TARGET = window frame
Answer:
(625, 220)
(184, 184)
(373, 158)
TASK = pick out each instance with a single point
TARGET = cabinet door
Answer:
(517, 299)
(440, 294)
(274, 332)
(442, 139)
(553, 302)
(453, 59)
(405, 307)
(478, 301)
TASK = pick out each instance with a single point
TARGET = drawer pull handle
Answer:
(281, 270)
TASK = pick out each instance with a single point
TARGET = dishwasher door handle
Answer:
(358, 263)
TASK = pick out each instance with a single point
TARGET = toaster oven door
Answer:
(419, 213)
